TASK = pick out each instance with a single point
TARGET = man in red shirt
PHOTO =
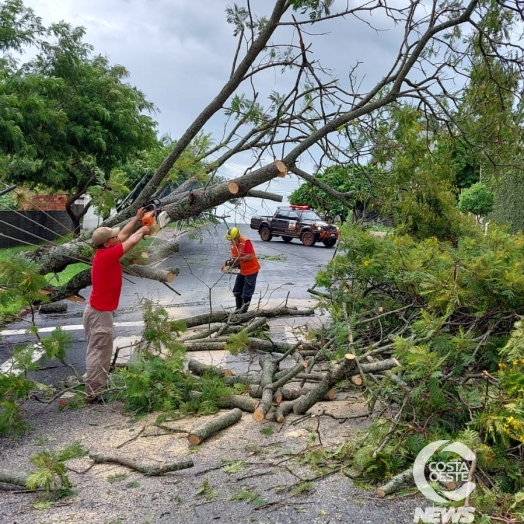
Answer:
(106, 278)
(244, 257)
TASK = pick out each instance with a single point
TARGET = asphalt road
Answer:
(288, 270)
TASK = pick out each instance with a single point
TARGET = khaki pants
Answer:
(98, 326)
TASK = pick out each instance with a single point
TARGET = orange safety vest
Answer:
(250, 267)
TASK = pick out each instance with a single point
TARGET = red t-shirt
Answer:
(106, 277)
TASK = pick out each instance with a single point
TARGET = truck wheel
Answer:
(265, 234)
(331, 242)
(308, 239)
(287, 239)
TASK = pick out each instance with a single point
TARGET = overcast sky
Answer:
(179, 52)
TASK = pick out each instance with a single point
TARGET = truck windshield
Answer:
(310, 215)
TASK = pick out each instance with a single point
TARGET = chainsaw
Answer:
(154, 218)
(230, 266)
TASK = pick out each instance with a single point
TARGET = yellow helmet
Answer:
(232, 233)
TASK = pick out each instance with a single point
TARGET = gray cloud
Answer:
(179, 52)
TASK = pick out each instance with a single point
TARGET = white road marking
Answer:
(72, 327)
(7, 366)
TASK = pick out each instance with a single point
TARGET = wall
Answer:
(46, 203)
(44, 218)
(19, 228)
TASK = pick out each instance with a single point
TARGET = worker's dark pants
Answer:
(244, 287)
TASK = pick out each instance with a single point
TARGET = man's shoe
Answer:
(97, 399)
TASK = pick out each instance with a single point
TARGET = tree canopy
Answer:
(68, 118)
(356, 182)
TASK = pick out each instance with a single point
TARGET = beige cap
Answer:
(103, 234)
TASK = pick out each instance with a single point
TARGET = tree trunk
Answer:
(222, 316)
(213, 426)
(162, 251)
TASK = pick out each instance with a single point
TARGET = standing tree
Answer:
(69, 118)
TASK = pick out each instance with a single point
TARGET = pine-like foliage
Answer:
(447, 312)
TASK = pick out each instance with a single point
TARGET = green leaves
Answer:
(51, 471)
(358, 180)
(66, 115)
(21, 281)
(477, 199)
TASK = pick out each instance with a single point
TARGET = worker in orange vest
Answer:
(243, 257)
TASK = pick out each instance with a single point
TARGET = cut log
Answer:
(283, 410)
(200, 369)
(277, 396)
(253, 378)
(357, 380)
(268, 367)
(265, 404)
(151, 470)
(242, 402)
(159, 274)
(395, 483)
(53, 307)
(11, 476)
(256, 324)
(313, 377)
(330, 379)
(380, 365)
(213, 426)
(294, 393)
(348, 364)
(291, 373)
(313, 396)
(233, 187)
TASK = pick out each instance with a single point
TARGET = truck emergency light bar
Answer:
(293, 206)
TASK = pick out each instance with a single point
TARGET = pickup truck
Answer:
(296, 222)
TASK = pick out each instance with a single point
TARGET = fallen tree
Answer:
(314, 111)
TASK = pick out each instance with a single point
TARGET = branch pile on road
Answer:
(292, 377)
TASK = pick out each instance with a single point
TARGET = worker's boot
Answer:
(238, 300)
(245, 306)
